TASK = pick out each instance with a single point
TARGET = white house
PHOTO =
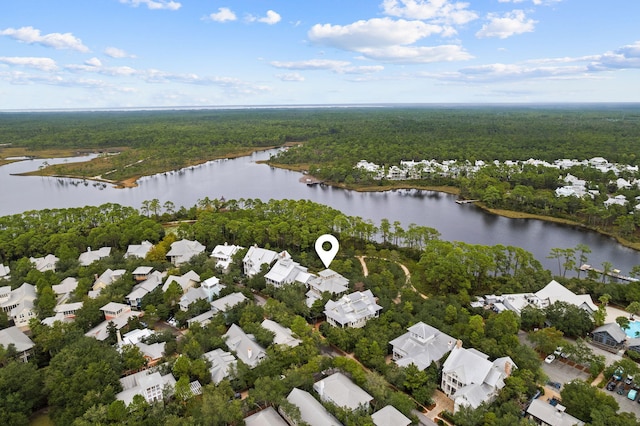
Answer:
(286, 271)
(90, 256)
(327, 281)
(140, 290)
(244, 345)
(312, 412)
(18, 303)
(4, 272)
(352, 310)
(186, 281)
(117, 314)
(545, 414)
(554, 292)
(151, 385)
(151, 352)
(421, 345)
(283, 335)
(618, 200)
(222, 364)
(107, 278)
(224, 254)
(227, 302)
(469, 378)
(209, 289)
(66, 287)
(46, 263)
(266, 417)
(65, 312)
(182, 251)
(255, 258)
(22, 343)
(341, 391)
(389, 416)
(139, 251)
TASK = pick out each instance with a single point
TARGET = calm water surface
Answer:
(243, 178)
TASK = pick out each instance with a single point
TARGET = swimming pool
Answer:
(633, 330)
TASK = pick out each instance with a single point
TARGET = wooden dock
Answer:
(614, 273)
(310, 180)
(459, 201)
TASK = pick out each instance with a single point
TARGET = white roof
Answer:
(266, 417)
(311, 411)
(183, 250)
(67, 285)
(46, 263)
(227, 302)
(13, 335)
(135, 384)
(185, 281)
(90, 256)
(4, 270)
(552, 415)
(255, 258)
(390, 416)
(554, 291)
(352, 307)
(142, 270)
(245, 347)
(285, 270)
(283, 335)
(221, 364)
(422, 345)
(138, 250)
(340, 390)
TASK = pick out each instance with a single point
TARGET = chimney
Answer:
(88, 249)
(249, 353)
(507, 368)
(459, 344)
(321, 388)
(118, 337)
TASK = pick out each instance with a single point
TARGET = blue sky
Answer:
(159, 53)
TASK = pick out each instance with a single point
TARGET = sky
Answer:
(86, 54)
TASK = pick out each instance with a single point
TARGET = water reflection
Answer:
(244, 178)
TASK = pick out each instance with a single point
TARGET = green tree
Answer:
(581, 399)
(21, 392)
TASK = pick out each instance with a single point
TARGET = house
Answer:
(139, 251)
(338, 389)
(151, 385)
(66, 287)
(311, 411)
(224, 254)
(545, 414)
(46, 263)
(469, 378)
(209, 288)
(244, 345)
(255, 258)
(286, 271)
(18, 303)
(421, 345)
(633, 344)
(107, 278)
(618, 200)
(182, 251)
(151, 352)
(65, 312)
(4, 272)
(352, 310)
(116, 314)
(283, 335)
(202, 319)
(390, 416)
(89, 256)
(266, 417)
(140, 290)
(610, 336)
(227, 302)
(142, 273)
(185, 281)
(222, 364)
(20, 341)
(554, 292)
(327, 281)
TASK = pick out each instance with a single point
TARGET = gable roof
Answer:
(226, 302)
(244, 345)
(613, 330)
(554, 291)
(352, 307)
(13, 335)
(266, 417)
(311, 411)
(390, 416)
(331, 281)
(138, 250)
(185, 281)
(255, 258)
(46, 263)
(67, 285)
(4, 270)
(421, 345)
(90, 256)
(183, 250)
(283, 335)
(285, 270)
(221, 364)
(552, 415)
(340, 390)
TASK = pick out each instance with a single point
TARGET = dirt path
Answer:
(407, 273)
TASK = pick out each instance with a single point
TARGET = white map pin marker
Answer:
(327, 255)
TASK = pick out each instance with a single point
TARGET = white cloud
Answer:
(312, 64)
(270, 18)
(536, 2)
(93, 62)
(363, 69)
(506, 25)
(294, 76)
(44, 64)
(154, 4)
(224, 14)
(439, 11)
(32, 35)
(373, 33)
(418, 54)
(114, 52)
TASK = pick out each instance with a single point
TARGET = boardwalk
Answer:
(614, 273)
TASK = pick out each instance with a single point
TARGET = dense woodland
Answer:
(334, 140)
(76, 377)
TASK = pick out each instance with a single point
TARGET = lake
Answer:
(244, 178)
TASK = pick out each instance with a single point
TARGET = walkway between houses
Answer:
(365, 272)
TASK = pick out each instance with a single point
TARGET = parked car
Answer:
(620, 390)
(558, 351)
(555, 385)
(632, 394)
(550, 358)
(617, 375)
(628, 380)
(611, 386)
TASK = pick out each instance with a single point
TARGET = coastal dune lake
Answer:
(244, 178)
